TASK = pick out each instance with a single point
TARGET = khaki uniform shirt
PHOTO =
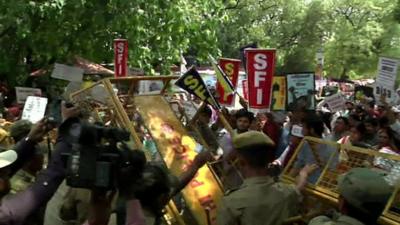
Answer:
(21, 181)
(341, 220)
(259, 201)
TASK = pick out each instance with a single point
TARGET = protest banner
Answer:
(69, 73)
(386, 78)
(222, 78)
(335, 102)
(23, 93)
(192, 82)
(178, 149)
(34, 109)
(120, 58)
(300, 90)
(245, 88)
(260, 71)
(231, 68)
(278, 93)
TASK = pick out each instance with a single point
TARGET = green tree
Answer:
(353, 33)
(35, 34)
(293, 27)
(362, 32)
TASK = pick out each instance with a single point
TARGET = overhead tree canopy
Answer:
(352, 33)
(34, 34)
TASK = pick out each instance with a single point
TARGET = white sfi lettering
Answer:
(259, 96)
(261, 61)
(259, 76)
(260, 64)
(120, 47)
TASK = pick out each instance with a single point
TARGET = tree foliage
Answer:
(35, 34)
(352, 33)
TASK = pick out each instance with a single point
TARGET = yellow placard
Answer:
(178, 150)
(278, 93)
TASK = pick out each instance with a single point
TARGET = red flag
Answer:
(260, 71)
(120, 57)
(231, 69)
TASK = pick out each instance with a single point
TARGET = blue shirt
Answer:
(283, 142)
(323, 154)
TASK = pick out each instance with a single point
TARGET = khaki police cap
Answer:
(363, 185)
(20, 128)
(251, 138)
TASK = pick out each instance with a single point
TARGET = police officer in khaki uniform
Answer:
(27, 175)
(363, 196)
(260, 200)
(21, 181)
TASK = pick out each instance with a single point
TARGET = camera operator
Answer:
(83, 200)
(158, 187)
(26, 176)
(128, 182)
(100, 208)
(16, 209)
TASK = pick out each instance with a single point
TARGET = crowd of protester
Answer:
(33, 190)
(367, 125)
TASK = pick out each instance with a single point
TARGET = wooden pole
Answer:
(122, 115)
(225, 122)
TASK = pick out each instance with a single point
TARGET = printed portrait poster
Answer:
(278, 93)
(300, 90)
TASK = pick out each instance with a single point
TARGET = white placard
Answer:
(34, 109)
(69, 73)
(23, 92)
(150, 86)
(71, 88)
(99, 93)
(335, 102)
(320, 58)
(386, 78)
(297, 131)
(320, 83)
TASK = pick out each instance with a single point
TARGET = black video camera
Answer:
(99, 157)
